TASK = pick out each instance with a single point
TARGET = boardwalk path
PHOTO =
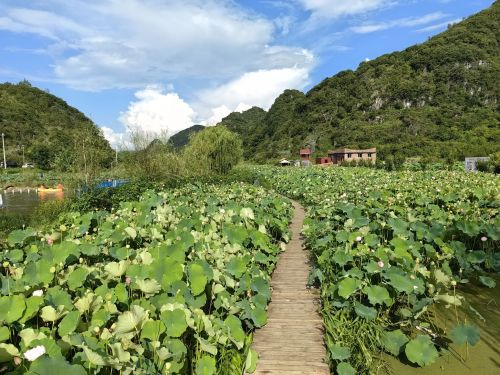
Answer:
(292, 341)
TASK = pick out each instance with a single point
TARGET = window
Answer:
(369, 154)
(360, 155)
(349, 156)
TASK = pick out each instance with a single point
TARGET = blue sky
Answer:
(166, 65)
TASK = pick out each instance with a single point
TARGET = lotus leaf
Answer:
(235, 234)
(121, 292)
(236, 333)
(342, 258)
(12, 308)
(19, 236)
(394, 341)
(259, 316)
(348, 286)
(261, 286)
(69, 323)
(339, 352)
(119, 353)
(205, 366)
(378, 295)
(130, 321)
(401, 283)
(50, 314)
(116, 269)
(368, 313)
(132, 233)
(464, 333)
(487, 281)
(32, 307)
(197, 278)
(149, 286)
(237, 266)
(251, 361)
(344, 368)
(175, 322)
(4, 333)
(7, 352)
(421, 351)
(77, 278)
(152, 329)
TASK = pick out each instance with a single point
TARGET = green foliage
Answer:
(387, 246)
(437, 100)
(146, 287)
(215, 150)
(55, 135)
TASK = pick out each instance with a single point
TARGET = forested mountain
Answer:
(438, 100)
(53, 133)
(181, 139)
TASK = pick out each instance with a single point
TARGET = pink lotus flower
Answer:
(34, 353)
(380, 264)
(17, 361)
(359, 239)
(484, 238)
(128, 280)
(50, 241)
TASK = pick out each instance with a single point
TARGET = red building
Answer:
(323, 160)
(305, 154)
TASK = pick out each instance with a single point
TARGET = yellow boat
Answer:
(48, 190)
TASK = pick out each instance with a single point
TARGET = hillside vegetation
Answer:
(438, 100)
(54, 133)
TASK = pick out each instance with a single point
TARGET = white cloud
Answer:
(439, 26)
(157, 111)
(259, 88)
(103, 44)
(117, 140)
(337, 8)
(401, 22)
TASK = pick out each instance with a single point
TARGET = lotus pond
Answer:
(390, 250)
(173, 283)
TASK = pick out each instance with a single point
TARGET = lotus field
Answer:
(389, 248)
(172, 284)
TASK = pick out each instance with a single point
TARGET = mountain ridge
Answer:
(437, 99)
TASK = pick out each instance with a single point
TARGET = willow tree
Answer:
(213, 150)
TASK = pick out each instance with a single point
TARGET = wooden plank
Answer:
(292, 341)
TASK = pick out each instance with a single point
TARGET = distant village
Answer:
(334, 157)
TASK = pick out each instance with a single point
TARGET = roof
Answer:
(352, 151)
(305, 151)
(284, 161)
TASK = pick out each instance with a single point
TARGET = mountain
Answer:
(181, 139)
(47, 127)
(438, 99)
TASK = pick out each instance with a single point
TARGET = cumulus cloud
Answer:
(338, 8)
(157, 111)
(130, 43)
(258, 88)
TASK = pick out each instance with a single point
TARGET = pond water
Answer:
(25, 201)
(484, 357)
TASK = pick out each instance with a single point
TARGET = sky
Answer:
(165, 65)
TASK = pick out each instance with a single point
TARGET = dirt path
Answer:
(292, 341)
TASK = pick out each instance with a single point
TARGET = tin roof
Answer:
(305, 151)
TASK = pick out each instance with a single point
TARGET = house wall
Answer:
(354, 156)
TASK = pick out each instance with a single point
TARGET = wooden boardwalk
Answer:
(292, 340)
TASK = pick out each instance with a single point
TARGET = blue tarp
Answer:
(111, 183)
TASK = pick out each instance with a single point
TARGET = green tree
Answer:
(213, 150)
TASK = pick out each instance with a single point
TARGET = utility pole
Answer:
(3, 147)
